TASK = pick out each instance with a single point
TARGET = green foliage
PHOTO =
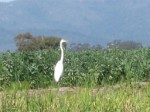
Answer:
(27, 42)
(89, 67)
(107, 99)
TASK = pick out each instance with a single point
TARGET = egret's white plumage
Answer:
(59, 66)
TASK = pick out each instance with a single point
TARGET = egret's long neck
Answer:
(62, 53)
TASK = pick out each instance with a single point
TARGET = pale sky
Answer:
(6, 0)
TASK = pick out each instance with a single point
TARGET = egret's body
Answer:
(59, 66)
(58, 70)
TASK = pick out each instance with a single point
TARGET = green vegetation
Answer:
(27, 42)
(108, 99)
(90, 67)
(88, 74)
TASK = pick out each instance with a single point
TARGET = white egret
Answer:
(59, 66)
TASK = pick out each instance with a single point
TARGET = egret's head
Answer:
(62, 41)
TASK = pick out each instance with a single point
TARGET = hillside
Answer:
(92, 21)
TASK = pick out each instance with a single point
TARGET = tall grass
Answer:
(108, 99)
(84, 73)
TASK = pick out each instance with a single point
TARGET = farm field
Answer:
(109, 80)
(119, 98)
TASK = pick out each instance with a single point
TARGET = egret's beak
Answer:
(66, 41)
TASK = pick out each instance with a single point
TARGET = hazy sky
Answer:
(6, 0)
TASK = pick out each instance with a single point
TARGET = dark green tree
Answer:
(26, 42)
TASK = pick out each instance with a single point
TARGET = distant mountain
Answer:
(85, 21)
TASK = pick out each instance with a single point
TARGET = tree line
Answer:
(28, 42)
